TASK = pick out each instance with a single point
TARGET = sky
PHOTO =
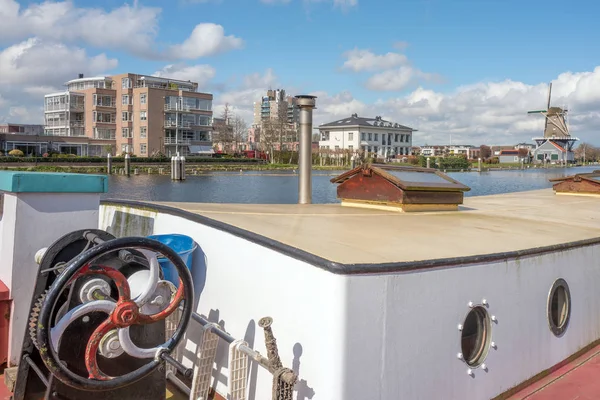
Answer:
(460, 71)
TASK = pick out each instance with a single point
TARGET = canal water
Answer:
(281, 187)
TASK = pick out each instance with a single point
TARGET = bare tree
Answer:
(268, 137)
(239, 130)
(223, 130)
(586, 152)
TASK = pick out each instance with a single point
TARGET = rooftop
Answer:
(484, 225)
(355, 120)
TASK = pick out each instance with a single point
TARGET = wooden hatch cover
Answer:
(399, 188)
(586, 184)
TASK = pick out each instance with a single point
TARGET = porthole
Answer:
(475, 337)
(559, 307)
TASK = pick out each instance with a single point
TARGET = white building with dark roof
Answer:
(373, 136)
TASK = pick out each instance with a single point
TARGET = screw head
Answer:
(470, 372)
(459, 356)
(470, 304)
(460, 327)
(484, 302)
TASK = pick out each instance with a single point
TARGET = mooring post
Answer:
(109, 163)
(127, 164)
(306, 103)
(479, 164)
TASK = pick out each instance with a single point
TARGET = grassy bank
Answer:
(201, 168)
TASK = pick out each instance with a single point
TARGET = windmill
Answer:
(556, 129)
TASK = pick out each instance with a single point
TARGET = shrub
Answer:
(16, 153)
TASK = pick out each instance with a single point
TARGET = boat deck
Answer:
(577, 380)
(483, 225)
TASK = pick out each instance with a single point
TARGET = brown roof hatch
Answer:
(587, 184)
(397, 188)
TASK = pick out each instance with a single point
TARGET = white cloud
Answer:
(32, 68)
(34, 63)
(398, 79)
(201, 73)
(487, 112)
(359, 60)
(395, 71)
(241, 98)
(206, 39)
(132, 28)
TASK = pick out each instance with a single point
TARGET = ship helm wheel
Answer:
(122, 314)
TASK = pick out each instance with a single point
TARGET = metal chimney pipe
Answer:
(306, 104)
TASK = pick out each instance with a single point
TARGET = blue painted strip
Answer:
(48, 182)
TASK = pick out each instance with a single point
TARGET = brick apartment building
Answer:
(139, 114)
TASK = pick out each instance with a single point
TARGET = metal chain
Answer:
(283, 390)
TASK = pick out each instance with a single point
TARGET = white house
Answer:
(373, 136)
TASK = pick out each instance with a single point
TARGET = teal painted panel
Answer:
(49, 182)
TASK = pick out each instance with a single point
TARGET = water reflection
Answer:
(281, 187)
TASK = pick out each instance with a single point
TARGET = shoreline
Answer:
(196, 169)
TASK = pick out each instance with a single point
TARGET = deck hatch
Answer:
(399, 188)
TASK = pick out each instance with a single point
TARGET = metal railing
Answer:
(284, 379)
(172, 124)
(172, 140)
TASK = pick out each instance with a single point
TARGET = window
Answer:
(143, 131)
(351, 148)
(559, 307)
(363, 136)
(475, 336)
(376, 137)
(125, 100)
(143, 116)
(125, 83)
(396, 137)
(125, 132)
(123, 148)
(143, 148)
(143, 98)
(350, 135)
(364, 148)
(125, 116)
(370, 136)
(375, 149)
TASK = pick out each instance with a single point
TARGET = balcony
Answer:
(77, 124)
(172, 140)
(109, 104)
(56, 123)
(173, 124)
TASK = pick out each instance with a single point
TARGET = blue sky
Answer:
(470, 68)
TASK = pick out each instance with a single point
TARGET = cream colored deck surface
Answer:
(486, 224)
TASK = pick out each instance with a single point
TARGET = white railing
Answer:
(57, 107)
(173, 124)
(172, 140)
(77, 124)
(55, 123)
(111, 104)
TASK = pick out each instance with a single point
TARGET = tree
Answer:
(485, 151)
(223, 130)
(523, 152)
(239, 130)
(586, 152)
(268, 137)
